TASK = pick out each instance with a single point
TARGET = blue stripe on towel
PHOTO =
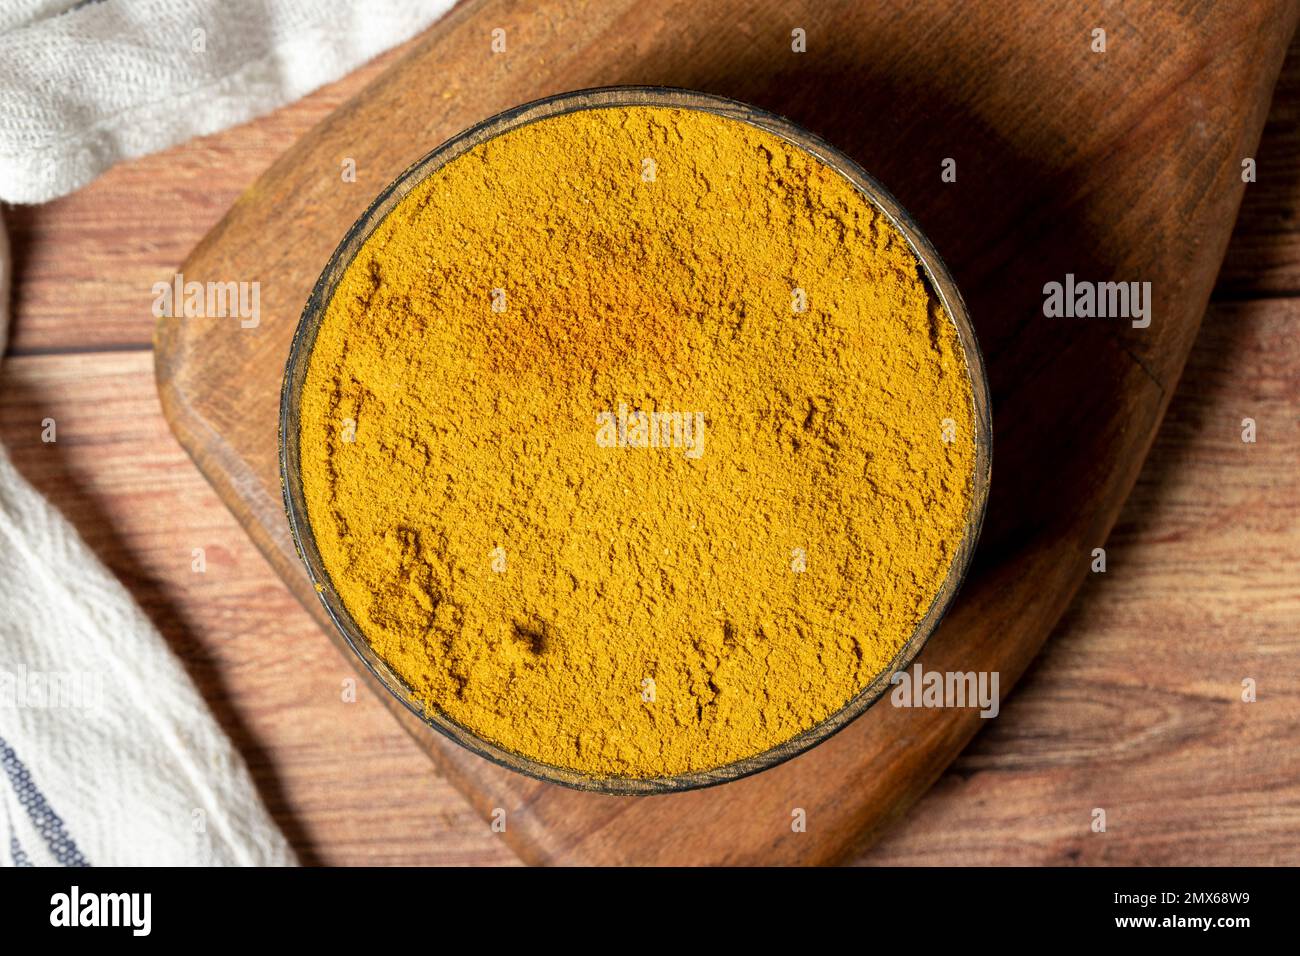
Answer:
(47, 822)
(17, 853)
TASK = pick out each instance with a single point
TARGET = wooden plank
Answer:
(1123, 165)
(338, 777)
(1137, 708)
(1265, 254)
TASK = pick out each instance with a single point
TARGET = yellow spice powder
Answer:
(596, 589)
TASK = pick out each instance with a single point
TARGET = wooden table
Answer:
(1135, 706)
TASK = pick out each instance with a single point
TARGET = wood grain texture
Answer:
(1117, 166)
(1264, 259)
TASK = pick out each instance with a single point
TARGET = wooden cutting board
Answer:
(1122, 165)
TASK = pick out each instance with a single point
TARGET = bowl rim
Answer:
(934, 272)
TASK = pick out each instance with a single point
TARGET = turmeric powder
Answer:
(635, 442)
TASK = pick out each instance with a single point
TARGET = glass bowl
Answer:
(940, 282)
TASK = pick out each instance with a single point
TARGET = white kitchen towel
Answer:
(108, 754)
(84, 85)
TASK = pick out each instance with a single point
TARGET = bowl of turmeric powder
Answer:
(634, 439)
